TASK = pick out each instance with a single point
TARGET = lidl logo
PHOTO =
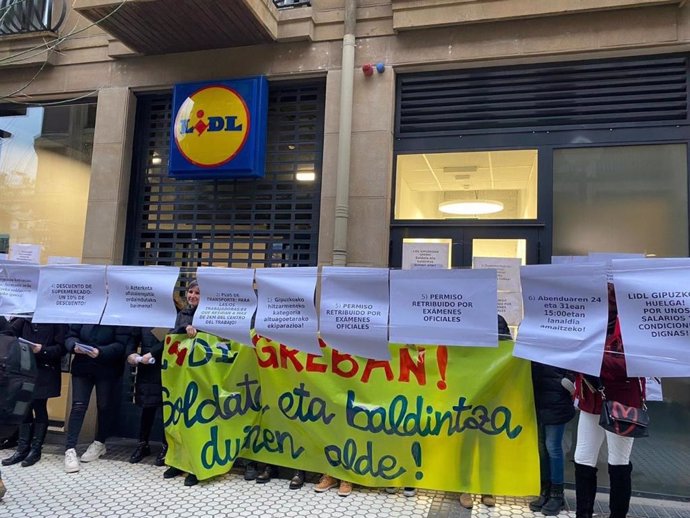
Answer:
(211, 126)
(219, 129)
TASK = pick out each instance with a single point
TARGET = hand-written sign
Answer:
(374, 422)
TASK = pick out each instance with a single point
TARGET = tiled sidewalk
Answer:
(111, 487)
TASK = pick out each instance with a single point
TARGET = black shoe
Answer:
(265, 475)
(536, 505)
(297, 480)
(251, 471)
(16, 457)
(160, 458)
(143, 450)
(32, 458)
(555, 503)
(191, 480)
(172, 472)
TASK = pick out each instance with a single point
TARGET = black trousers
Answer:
(107, 392)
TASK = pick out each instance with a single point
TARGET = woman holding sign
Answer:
(615, 384)
(47, 343)
(99, 356)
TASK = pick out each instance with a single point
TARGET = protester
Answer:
(98, 365)
(488, 500)
(183, 325)
(554, 406)
(4, 329)
(617, 386)
(48, 348)
(148, 393)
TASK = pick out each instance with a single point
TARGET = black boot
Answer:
(556, 503)
(23, 446)
(585, 490)
(160, 458)
(536, 505)
(142, 450)
(621, 490)
(40, 431)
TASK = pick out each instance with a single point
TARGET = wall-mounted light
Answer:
(156, 159)
(305, 176)
(470, 207)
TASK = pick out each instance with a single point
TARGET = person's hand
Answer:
(93, 354)
(132, 359)
(146, 358)
(36, 348)
(191, 331)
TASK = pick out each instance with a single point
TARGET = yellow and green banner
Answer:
(445, 418)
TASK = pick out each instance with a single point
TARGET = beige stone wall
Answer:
(492, 32)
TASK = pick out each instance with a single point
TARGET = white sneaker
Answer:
(93, 452)
(410, 491)
(71, 461)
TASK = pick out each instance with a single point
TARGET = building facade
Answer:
(570, 116)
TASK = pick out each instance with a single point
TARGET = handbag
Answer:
(623, 420)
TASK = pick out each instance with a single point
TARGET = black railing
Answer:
(27, 16)
(284, 4)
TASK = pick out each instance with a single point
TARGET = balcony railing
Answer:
(27, 16)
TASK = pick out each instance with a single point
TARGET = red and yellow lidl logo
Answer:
(211, 126)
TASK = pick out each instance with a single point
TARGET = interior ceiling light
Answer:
(305, 176)
(470, 207)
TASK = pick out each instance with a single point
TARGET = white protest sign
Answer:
(18, 288)
(4, 257)
(353, 314)
(227, 303)
(509, 306)
(569, 259)
(70, 294)
(286, 311)
(507, 269)
(653, 390)
(25, 252)
(449, 307)
(608, 257)
(63, 259)
(426, 255)
(141, 296)
(566, 312)
(653, 301)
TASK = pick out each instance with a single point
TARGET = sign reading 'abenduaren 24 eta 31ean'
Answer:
(219, 129)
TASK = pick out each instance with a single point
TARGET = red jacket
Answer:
(617, 385)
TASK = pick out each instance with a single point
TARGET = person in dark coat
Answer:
(48, 348)
(183, 325)
(148, 392)
(554, 406)
(99, 365)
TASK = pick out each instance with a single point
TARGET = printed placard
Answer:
(423, 255)
(141, 296)
(566, 311)
(70, 294)
(510, 307)
(227, 303)
(654, 311)
(18, 287)
(353, 314)
(450, 307)
(25, 253)
(286, 311)
(507, 270)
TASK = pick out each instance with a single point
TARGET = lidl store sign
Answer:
(219, 129)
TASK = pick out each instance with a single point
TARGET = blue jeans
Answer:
(551, 458)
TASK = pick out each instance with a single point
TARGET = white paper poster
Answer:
(18, 288)
(141, 296)
(507, 269)
(25, 252)
(569, 259)
(70, 294)
(423, 256)
(63, 259)
(566, 312)
(653, 298)
(286, 311)
(447, 307)
(227, 303)
(510, 307)
(353, 314)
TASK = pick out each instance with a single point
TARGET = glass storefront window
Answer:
(467, 185)
(45, 166)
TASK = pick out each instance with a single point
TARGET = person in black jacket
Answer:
(147, 388)
(554, 406)
(49, 348)
(98, 365)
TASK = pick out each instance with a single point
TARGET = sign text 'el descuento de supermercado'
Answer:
(219, 129)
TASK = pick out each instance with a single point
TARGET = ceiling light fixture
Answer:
(470, 207)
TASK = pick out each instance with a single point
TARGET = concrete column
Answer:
(106, 214)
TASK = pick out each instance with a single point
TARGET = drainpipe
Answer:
(342, 186)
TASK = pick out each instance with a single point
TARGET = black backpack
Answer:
(17, 379)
